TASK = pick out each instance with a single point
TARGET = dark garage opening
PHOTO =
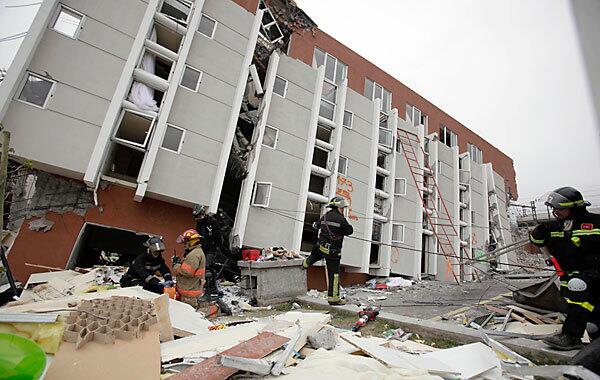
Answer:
(100, 245)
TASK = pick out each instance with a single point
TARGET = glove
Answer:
(168, 284)
(176, 260)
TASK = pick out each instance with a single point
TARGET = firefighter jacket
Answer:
(334, 227)
(575, 243)
(144, 266)
(210, 230)
(190, 273)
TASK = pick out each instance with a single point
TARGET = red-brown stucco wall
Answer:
(302, 48)
(117, 209)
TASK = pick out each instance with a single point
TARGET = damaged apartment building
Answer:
(130, 112)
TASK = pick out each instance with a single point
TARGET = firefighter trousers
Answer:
(581, 293)
(332, 260)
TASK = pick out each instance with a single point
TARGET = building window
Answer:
(177, 10)
(36, 90)
(448, 137)
(328, 99)
(385, 137)
(191, 78)
(173, 140)
(262, 194)
(473, 218)
(440, 167)
(207, 26)
(376, 91)
(343, 165)
(269, 28)
(134, 129)
(335, 70)
(397, 233)
(348, 119)
(376, 236)
(68, 22)
(476, 154)
(270, 137)
(415, 116)
(280, 86)
(400, 186)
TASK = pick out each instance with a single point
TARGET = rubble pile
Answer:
(82, 319)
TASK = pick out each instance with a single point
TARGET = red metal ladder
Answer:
(448, 229)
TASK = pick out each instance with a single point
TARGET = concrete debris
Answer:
(42, 224)
(326, 338)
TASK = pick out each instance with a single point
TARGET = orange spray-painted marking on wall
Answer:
(345, 189)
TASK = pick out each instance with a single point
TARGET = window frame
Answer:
(57, 15)
(383, 89)
(285, 88)
(403, 233)
(189, 15)
(338, 64)
(396, 193)
(263, 6)
(479, 153)
(274, 147)
(351, 119)
(453, 136)
(212, 35)
(345, 171)
(253, 201)
(142, 147)
(178, 151)
(24, 82)
(199, 78)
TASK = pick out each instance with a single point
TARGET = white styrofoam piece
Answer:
(469, 360)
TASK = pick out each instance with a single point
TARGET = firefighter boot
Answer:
(564, 342)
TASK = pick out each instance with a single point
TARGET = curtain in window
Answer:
(142, 95)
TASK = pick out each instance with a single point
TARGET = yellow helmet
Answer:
(190, 238)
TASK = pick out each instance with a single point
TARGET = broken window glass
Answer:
(280, 86)
(173, 138)
(36, 90)
(270, 136)
(191, 78)
(176, 10)
(67, 22)
(207, 26)
(269, 28)
(134, 128)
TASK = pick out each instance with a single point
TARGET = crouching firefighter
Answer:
(573, 240)
(142, 270)
(190, 271)
(333, 227)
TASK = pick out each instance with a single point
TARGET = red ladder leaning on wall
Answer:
(442, 217)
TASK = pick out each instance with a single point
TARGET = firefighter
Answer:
(209, 227)
(573, 239)
(333, 227)
(190, 272)
(142, 270)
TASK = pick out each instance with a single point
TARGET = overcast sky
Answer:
(510, 70)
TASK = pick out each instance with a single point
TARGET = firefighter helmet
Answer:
(155, 245)
(189, 237)
(337, 202)
(564, 198)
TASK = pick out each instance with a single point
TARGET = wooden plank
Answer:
(256, 348)
(497, 309)
(532, 316)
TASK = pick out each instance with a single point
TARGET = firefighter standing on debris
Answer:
(208, 226)
(142, 270)
(190, 272)
(574, 242)
(333, 227)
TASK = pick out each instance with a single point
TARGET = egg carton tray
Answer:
(104, 320)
